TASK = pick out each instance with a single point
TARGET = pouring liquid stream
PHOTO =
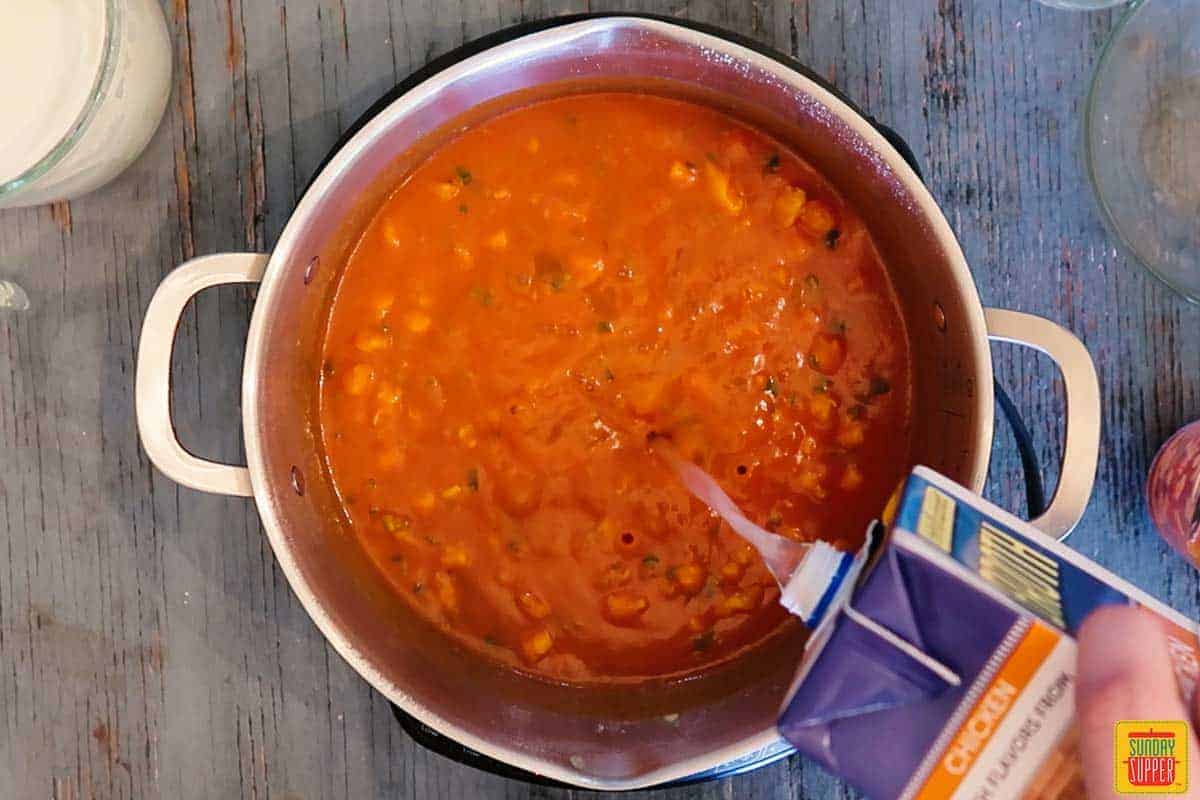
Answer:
(782, 556)
(808, 574)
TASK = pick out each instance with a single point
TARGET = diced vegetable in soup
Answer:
(541, 294)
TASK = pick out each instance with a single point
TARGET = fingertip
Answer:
(1124, 668)
(1119, 644)
(1124, 672)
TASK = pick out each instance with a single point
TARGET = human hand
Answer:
(1124, 672)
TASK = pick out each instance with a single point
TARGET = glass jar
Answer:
(86, 84)
(1173, 491)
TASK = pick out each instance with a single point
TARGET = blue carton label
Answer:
(1026, 570)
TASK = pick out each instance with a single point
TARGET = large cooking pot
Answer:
(636, 735)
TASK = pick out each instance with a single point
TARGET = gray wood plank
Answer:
(149, 646)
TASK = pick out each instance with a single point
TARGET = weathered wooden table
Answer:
(149, 646)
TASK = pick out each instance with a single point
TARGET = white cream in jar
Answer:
(83, 86)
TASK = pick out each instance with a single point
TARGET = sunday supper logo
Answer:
(1150, 757)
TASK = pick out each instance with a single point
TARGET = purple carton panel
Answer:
(867, 709)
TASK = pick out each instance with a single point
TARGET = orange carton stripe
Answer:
(989, 711)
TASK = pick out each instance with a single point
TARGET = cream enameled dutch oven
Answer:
(631, 736)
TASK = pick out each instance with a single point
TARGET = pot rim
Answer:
(309, 207)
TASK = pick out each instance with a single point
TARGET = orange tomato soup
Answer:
(539, 296)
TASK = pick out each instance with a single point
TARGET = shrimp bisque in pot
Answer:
(85, 86)
(539, 296)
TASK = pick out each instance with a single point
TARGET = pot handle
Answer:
(1081, 448)
(152, 395)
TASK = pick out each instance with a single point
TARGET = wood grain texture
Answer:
(149, 645)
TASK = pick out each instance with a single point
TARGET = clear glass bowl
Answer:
(1142, 139)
